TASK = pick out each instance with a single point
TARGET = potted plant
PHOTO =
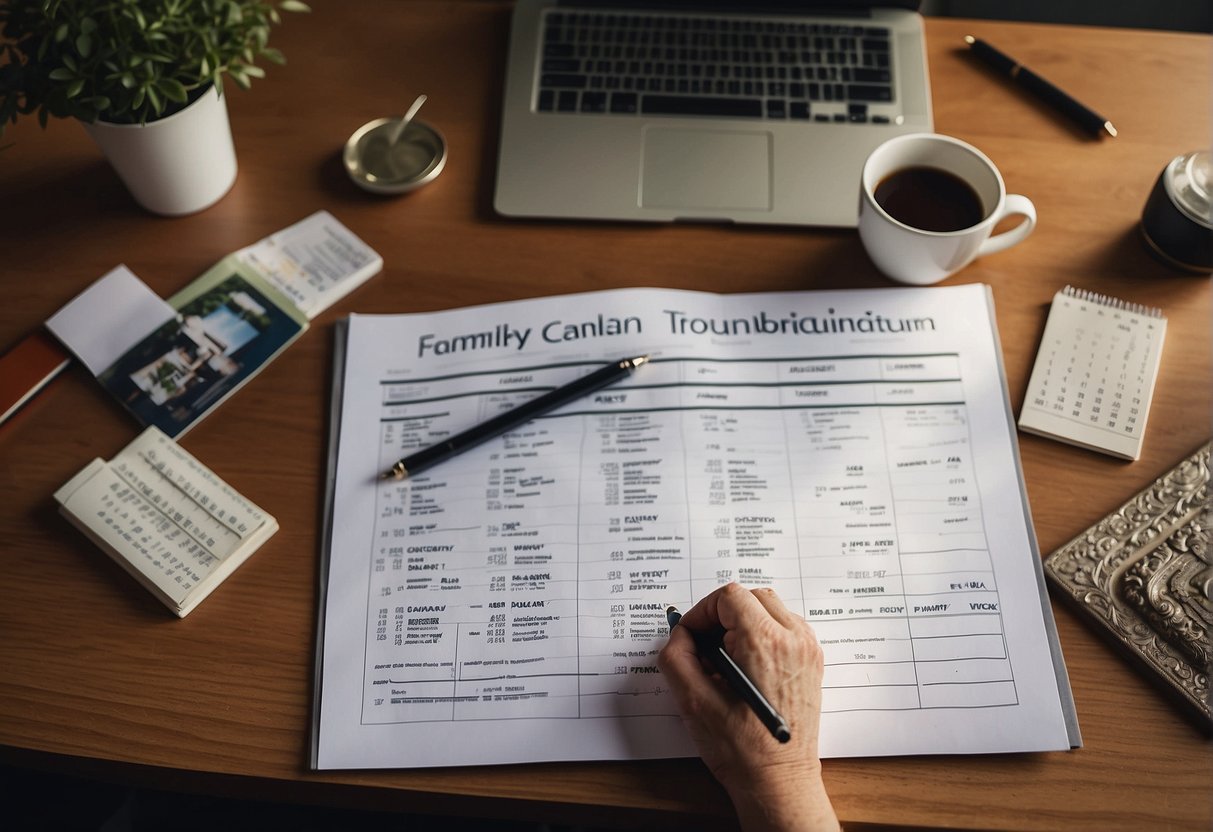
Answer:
(145, 77)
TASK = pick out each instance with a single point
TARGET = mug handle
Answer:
(1015, 204)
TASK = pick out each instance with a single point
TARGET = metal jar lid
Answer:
(1177, 221)
(378, 166)
(1189, 183)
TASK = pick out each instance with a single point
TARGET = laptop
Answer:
(704, 110)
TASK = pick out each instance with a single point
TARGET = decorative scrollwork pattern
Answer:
(1143, 575)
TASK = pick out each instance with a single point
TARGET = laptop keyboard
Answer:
(694, 65)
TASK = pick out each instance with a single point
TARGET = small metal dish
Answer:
(376, 165)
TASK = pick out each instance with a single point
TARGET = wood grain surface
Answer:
(97, 678)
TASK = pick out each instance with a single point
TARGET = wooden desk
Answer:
(98, 679)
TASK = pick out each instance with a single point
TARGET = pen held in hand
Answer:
(416, 463)
(1038, 86)
(711, 647)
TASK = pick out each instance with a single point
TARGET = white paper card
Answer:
(108, 318)
(315, 262)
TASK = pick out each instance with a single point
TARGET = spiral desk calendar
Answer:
(1094, 374)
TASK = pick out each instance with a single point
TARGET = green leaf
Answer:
(274, 56)
(240, 78)
(61, 33)
(61, 74)
(173, 90)
(84, 45)
(88, 25)
(154, 100)
(294, 6)
(254, 71)
(127, 81)
(73, 89)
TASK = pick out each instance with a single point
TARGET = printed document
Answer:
(853, 450)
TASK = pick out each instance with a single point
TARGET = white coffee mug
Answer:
(913, 255)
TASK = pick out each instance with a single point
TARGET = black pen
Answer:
(416, 463)
(1032, 82)
(711, 647)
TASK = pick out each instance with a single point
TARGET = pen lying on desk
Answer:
(470, 438)
(711, 647)
(1032, 82)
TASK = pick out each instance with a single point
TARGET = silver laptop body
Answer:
(666, 146)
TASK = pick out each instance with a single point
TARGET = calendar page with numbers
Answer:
(1094, 375)
(854, 451)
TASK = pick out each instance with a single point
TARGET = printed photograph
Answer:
(217, 341)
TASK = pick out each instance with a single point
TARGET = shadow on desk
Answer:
(39, 801)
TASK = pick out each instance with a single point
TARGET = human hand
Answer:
(775, 786)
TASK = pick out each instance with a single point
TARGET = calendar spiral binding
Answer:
(1114, 303)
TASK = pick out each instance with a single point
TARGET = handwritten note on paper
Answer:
(166, 518)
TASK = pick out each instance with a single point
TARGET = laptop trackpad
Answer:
(720, 170)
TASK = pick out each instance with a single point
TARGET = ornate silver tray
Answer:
(1143, 576)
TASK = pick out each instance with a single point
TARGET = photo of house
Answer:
(202, 352)
(218, 340)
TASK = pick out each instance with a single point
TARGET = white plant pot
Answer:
(175, 165)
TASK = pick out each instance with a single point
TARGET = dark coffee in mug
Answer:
(930, 199)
